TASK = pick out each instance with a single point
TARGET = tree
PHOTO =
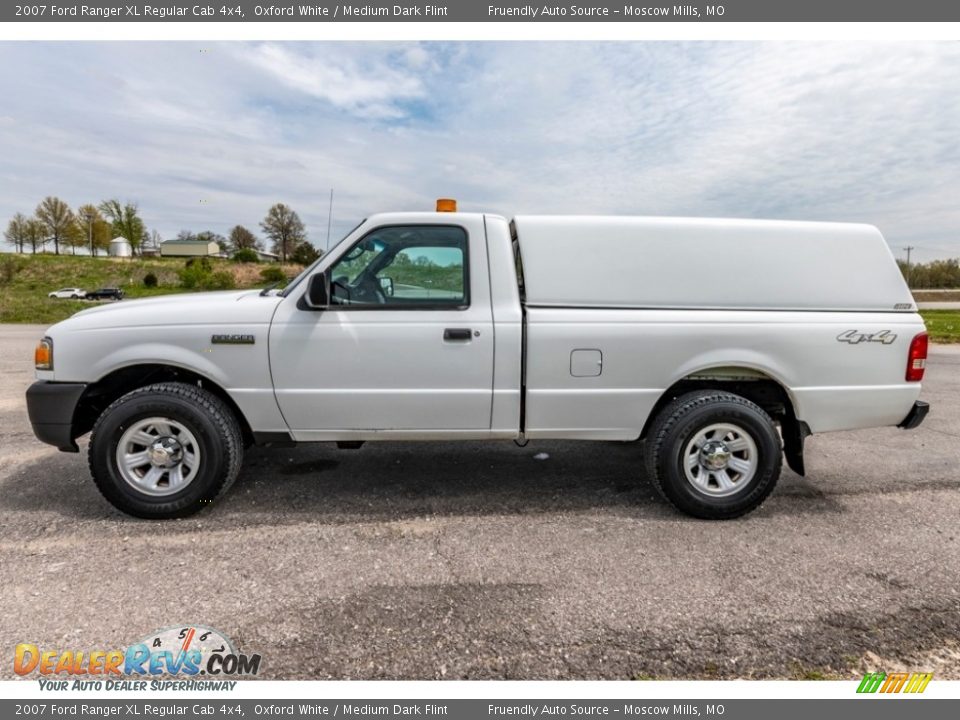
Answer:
(186, 236)
(16, 232)
(57, 218)
(125, 221)
(75, 236)
(35, 234)
(151, 241)
(284, 227)
(242, 239)
(97, 232)
(305, 254)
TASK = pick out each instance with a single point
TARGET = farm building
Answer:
(189, 248)
(120, 247)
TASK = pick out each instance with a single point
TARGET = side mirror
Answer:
(317, 296)
(386, 284)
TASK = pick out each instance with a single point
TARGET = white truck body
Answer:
(610, 319)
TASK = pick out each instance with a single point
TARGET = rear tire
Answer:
(165, 451)
(713, 455)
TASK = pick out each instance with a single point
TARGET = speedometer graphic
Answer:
(183, 639)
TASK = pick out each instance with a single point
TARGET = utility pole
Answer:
(908, 249)
(329, 221)
(89, 219)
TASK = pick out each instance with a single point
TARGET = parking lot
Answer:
(476, 560)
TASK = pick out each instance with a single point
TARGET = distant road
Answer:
(939, 305)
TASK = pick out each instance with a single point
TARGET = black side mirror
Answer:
(317, 296)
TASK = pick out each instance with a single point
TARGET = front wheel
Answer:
(714, 455)
(165, 450)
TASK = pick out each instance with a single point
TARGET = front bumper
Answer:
(51, 408)
(916, 415)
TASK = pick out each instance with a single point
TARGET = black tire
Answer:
(676, 425)
(207, 417)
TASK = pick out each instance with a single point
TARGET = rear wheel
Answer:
(713, 454)
(165, 450)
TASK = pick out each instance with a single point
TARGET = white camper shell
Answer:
(710, 264)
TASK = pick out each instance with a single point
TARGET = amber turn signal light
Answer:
(43, 355)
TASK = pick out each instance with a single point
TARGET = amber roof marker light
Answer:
(446, 205)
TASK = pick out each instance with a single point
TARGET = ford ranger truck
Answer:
(721, 344)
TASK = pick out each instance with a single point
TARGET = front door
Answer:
(406, 345)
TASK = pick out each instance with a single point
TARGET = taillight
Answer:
(917, 358)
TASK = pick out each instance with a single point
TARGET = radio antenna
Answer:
(329, 221)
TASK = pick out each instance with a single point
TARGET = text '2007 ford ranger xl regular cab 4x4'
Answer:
(721, 343)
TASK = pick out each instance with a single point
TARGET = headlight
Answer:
(43, 355)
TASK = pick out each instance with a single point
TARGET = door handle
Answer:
(457, 334)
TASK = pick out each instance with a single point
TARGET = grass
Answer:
(943, 326)
(23, 299)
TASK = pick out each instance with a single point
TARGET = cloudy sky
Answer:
(206, 136)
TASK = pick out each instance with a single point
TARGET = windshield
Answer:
(309, 269)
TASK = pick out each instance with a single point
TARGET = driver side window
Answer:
(422, 266)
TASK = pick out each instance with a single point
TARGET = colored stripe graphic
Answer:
(894, 682)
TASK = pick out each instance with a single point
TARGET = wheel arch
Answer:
(756, 384)
(118, 382)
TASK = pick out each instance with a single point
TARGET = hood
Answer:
(230, 307)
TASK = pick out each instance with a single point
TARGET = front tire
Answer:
(166, 450)
(714, 455)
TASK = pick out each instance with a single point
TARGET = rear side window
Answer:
(404, 266)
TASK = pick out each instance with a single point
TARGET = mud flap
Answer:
(794, 433)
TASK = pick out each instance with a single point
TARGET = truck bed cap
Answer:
(658, 262)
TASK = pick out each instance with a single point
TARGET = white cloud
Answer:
(369, 89)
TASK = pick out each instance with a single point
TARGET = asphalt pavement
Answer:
(473, 560)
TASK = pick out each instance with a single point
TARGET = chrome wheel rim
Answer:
(158, 456)
(720, 459)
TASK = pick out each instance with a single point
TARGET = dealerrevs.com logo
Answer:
(187, 651)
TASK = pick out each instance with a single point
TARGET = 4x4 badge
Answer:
(855, 338)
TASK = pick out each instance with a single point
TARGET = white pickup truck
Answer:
(721, 344)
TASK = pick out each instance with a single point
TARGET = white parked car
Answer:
(722, 344)
(72, 293)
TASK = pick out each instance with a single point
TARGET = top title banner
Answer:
(484, 11)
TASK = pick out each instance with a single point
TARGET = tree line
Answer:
(282, 227)
(90, 226)
(93, 227)
(936, 275)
